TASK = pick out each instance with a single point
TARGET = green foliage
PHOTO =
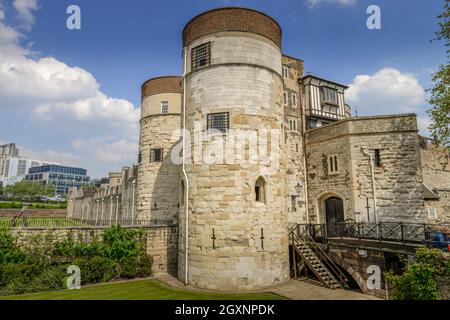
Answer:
(440, 93)
(119, 242)
(41, 262)
(419, 279)
(9, 252)
(29, 189)
(97, 269)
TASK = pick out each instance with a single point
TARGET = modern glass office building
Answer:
(63, 178)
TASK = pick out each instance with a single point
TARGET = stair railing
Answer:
(324, 258)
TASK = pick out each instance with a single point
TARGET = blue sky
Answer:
(73, 95)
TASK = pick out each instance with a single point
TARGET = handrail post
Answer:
(401, 232)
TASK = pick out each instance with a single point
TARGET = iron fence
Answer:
(34, 222)
(383, 231)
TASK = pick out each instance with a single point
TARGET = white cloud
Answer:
(315, 3)
(388, 91)
(24, 10)
(63, 105)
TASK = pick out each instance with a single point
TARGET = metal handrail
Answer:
(324, 258)
(382, 231)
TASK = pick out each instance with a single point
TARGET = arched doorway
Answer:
(334, 215)
(334, 210)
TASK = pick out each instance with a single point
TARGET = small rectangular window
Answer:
(164, 107)
(140, 157)
(285, 71)
(218, 121)
(285, 98)
(333, 164)
(432, 214)
(156, 155)
(294, 100)
(201, 56)
(377, 158)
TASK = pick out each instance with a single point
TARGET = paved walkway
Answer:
(304, 290)
(293, 289)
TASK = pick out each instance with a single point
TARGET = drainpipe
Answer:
(132, 202)
(186, 199)
(303, 133)
(366, 153)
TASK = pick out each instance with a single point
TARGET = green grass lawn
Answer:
(138, 290)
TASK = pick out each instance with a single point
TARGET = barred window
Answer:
(164, 107)
(218, 121)
(201, 56)
(377, 158)
(156, 155)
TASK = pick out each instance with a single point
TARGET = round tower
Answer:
(236, 217)
(158, 184)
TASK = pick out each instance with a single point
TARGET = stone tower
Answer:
(158, 184)
(237, 220)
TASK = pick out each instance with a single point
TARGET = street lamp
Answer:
(298, 188)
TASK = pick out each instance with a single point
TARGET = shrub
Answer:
(419, 279)
(42, 264)
(9, 252)
(144, 266)
(18, 273)
(119, 242)
(97, 269)
(51, 278)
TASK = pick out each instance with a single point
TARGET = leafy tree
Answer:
(440, 93)
(49, 190)
(420, 279)
(29, 189)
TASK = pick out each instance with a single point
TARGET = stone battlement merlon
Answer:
(366, 125)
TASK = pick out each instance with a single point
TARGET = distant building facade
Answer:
(16, 168)
(61, 177)
(6, 151)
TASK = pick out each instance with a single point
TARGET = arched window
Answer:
(260, 190)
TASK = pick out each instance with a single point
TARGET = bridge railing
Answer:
(383, 231)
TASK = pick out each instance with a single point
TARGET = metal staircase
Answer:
(317, 260)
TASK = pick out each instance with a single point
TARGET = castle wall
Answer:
(161, 241)
(158, 184)
(295, 201)
(235, 242)
(436, 176)
(398, 181)
(103, 206)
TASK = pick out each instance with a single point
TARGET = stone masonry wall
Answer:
(158, 186)
(161, 242)
(235, 242)
(295, 202)
(436, 176)
(398, 180)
